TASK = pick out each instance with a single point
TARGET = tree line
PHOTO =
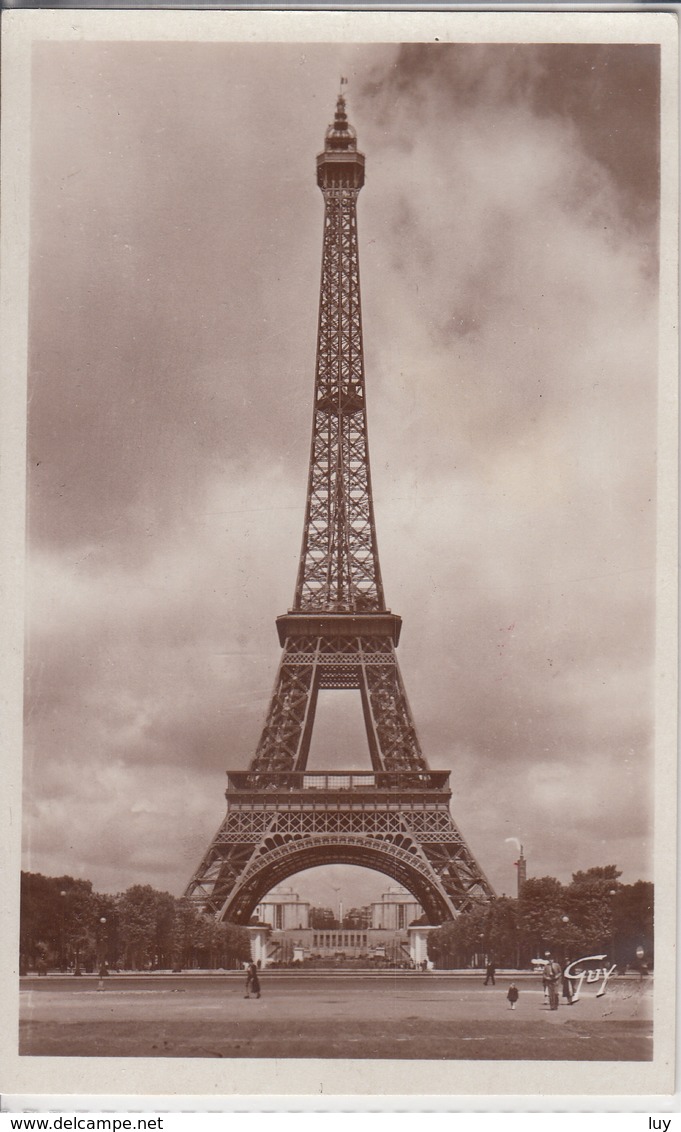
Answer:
(65, 925)
(593, 915)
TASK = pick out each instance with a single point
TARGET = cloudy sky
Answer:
(508, 250)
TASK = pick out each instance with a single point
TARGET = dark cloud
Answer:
(608, 93)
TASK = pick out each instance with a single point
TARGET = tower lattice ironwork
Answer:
(339, 634)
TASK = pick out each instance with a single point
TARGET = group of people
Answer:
(553, 976)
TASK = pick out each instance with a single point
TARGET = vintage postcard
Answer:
(339, 477)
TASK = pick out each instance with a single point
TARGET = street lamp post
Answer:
(62, 919)
(102, 935)
(565, 920)
(612, 894)
(102, 966)
(567, 985)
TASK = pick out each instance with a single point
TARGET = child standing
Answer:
(512, 995)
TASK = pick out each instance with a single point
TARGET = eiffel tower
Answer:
(282, 818)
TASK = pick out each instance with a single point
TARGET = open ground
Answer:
(422, 1016)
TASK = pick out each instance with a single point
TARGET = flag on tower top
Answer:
(344, 82)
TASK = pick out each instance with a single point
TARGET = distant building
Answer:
(283, 910)
(395, 911)
(358, 918)
(521, 865)
(322, 918)
(292, 931)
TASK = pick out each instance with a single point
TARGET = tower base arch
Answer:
(400, 826)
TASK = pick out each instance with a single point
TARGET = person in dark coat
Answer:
(490, 972)
(567, 983)
(512, 995)
(252, 981)
(553, 973)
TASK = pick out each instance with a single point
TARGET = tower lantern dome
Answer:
(340, 166)
(340, 135)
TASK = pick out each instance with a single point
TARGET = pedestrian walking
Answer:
(553, 973)
(512, 995)
(490, 972)
(567, 983)
(545, 985)
(252, 981)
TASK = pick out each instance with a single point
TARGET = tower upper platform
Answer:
(340, 166)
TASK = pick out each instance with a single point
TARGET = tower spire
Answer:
(339, 569)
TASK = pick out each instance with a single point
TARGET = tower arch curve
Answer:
(275, 865)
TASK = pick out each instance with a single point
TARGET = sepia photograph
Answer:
(343, 407)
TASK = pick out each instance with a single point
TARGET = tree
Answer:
(540, 910)
(501, 932)
(106, 929)
(186, 934)
(64, 922)
(201, 940)
(471, 935)
(236, 944)
(58, 913)
(633, 907)
(165, 929)
(589, 902)
(443, 945)
(146, 926)
(462, 941)
(41, 921)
